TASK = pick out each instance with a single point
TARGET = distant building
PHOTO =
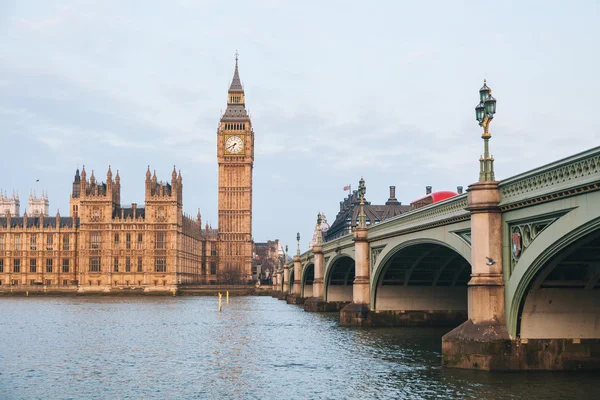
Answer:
(347, 218)
(38, 206)
(11, 204)
(324, 230)
(268, 257)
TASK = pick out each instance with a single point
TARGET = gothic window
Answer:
(33, 242)
(49, 265)
(65, 265)
(94, 264)
(16, 265)
(49, 242)
(1, 265)
(160, 264)
(140, 240)
(128, 241)
(140, 268)
(95, 240)
(213, 249)
(32, 265)
(1, 242)
(116, 264)
(116, 240)
(66, 242)
(18, 242)
(127, 264)
(160, 240)
(213, 268)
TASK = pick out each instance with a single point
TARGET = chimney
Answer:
(459, 189)
(392, 200)
(427, 189)
(133, 210)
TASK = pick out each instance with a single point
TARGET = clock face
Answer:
(234, 145)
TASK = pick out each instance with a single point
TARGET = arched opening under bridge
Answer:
(308, 277)
(422, 284)
(339, 280)
(562, 300)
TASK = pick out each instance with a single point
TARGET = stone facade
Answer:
(10, 204)
(235, 152)
(103, 245)
(38, 205)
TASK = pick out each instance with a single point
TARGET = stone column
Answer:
(295, 297)
(316, 302)
(297, 290)
(478, 343)
(358, 313)
(274, 279)
(318, 282)
(286, 279)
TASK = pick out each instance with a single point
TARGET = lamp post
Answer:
(484, 113)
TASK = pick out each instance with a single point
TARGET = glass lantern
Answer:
(479, 112)
(484, 92)
(490, 106)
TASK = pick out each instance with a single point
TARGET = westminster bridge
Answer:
(514, 265)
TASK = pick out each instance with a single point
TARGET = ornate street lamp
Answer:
(484, 113)
(298, 240)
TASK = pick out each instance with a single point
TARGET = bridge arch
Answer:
(308, 276)
(339, 278)
(424, 277)
(550, 294)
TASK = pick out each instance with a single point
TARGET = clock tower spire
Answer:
(235, 154)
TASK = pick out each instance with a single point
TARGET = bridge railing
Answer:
(557, 179)
(441, 213)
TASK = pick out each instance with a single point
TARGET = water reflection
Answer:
(257, 348)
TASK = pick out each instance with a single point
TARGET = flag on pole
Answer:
(346, 187)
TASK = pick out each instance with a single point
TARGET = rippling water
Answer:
(257, 348)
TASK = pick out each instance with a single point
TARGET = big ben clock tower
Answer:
(235, 153)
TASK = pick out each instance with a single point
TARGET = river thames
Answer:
(256, 348)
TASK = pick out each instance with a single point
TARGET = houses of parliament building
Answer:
(105, 246)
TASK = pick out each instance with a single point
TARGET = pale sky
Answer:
(336, 90)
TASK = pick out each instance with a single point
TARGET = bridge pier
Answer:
(358, 312)
(482, 342)
(276, 284)
(316, 303)
(296, 296)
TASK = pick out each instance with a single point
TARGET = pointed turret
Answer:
(92, 178)
(83, 174)
(117, 178)
(236, 84)
(173, 176)
(236, 110)
(148, 174)
(109, 175)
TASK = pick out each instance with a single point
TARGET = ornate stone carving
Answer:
(374, 254)
(552, 181)
(522, 234)
(464, 235)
